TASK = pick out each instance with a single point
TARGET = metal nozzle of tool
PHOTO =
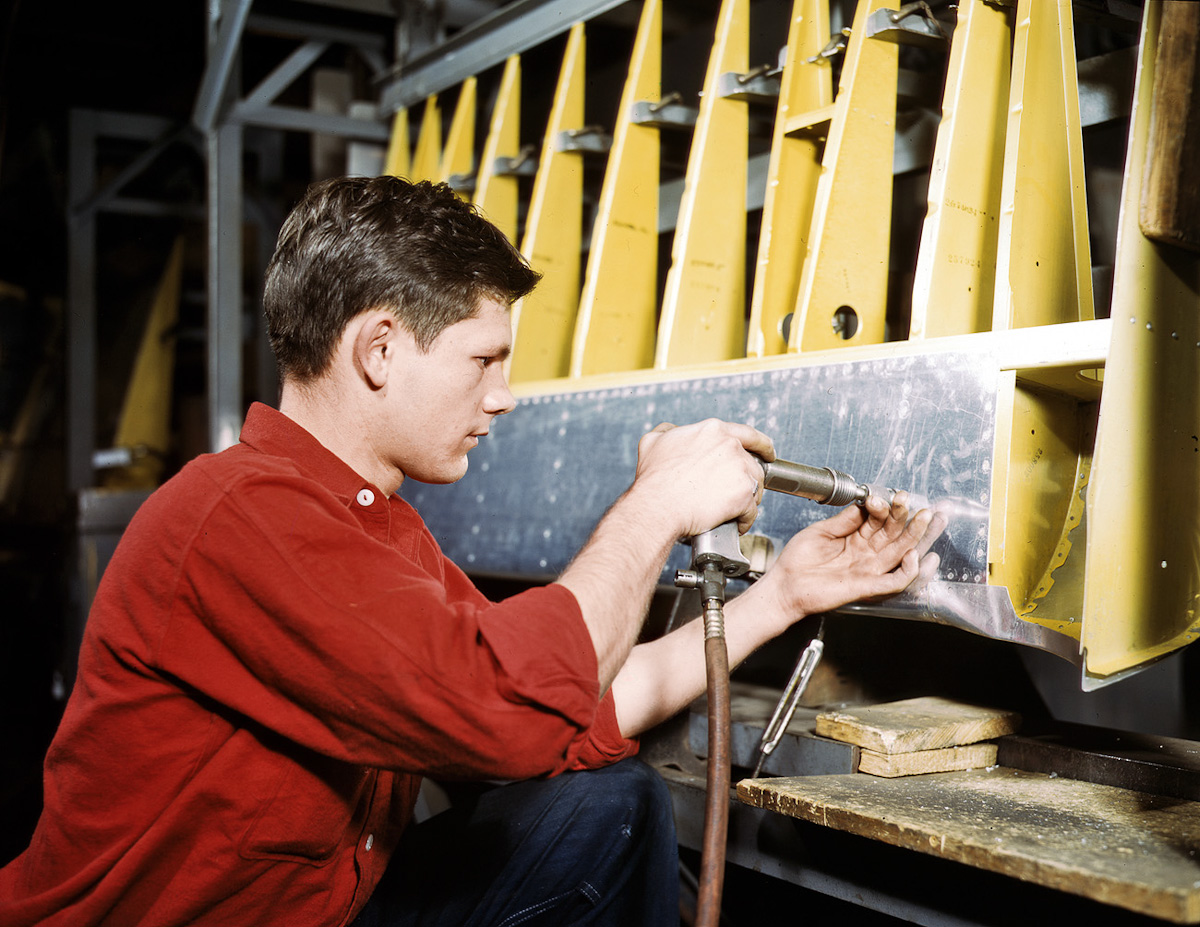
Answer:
(820, 484)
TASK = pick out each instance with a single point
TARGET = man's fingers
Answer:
(845, 522)
(934, 530)
(753, 440)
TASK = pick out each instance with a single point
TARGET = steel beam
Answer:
(224, 285)
(293, 119)
(81, 304)
(285, 73)
(519, 26)
(227, 18)
(317, 32)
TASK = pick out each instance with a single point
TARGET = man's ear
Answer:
(373, 343)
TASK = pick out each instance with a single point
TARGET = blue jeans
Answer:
(588, 848)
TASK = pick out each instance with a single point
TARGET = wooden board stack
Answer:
(919, 735)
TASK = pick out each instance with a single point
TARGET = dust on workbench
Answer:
(1125, 848)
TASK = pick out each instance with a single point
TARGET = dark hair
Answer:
(358, 243)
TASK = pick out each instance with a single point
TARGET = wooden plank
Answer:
(927, 723)
(1169, 210)
(919, 762)
(1130, 849)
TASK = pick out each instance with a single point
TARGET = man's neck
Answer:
(325, 411)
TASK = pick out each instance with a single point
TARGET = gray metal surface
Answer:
(1124, 759)
(924, 423)
(224, 285)
(799, 753)
(226, 22)
(984, 610)
(540, 482)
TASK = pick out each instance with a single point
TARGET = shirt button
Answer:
(370, 842)
(365, 497)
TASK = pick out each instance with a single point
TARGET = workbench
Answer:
(994, 846)
(1130, 849)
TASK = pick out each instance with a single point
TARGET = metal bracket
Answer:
(912, 24)
(462, 183)
(592, 139)
(758, 86)
(523, 165)
(667, 113)
(834, 47)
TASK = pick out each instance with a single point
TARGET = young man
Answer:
(278, 652)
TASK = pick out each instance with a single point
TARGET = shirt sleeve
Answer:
(289, 613)
(605, 744)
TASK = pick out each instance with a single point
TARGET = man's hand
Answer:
(689, 479)
(855, 555)
(858, 554)
(699, 476)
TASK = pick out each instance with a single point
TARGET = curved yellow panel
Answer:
(398, 161)
(953, 291)
(497, 195)
(1043, 458)
(1142, 585)
(145, 423)
(427, 159)
(544, 321)
(704, 305)
(1043, 268)
(843, 287)
(792, 174)
(618, 309)
(458, 157)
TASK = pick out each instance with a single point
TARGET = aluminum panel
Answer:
(541, 480)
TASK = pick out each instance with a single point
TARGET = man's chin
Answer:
(441, 475)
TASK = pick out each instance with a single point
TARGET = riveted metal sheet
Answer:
(540, 482)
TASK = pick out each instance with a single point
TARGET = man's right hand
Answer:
(698, 476)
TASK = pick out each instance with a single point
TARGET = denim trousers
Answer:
(594, 847)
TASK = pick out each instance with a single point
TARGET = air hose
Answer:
(717, 557)
(710, 580)
(716, 808)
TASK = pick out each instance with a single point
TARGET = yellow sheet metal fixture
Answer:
(618, 310)
(544, 321)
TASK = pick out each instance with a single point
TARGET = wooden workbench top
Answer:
(1120, 847)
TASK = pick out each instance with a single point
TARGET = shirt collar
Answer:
(271, 432)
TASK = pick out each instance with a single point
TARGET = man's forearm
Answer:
(614, 576)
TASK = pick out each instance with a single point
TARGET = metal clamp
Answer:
(790, 699)
(912, 24)
(667, 113)
(761, 85)
(594, 139)
(834, 47)
(523, 165)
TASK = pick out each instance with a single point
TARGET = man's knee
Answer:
(630, 794)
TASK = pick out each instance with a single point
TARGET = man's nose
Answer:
(498, 400)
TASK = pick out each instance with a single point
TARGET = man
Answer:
(278, 652)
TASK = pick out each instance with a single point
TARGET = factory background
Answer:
(149, 152)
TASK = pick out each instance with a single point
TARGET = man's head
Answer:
(355, 244)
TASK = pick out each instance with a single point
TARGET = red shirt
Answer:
(275, 656)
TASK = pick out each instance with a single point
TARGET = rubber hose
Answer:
(716, 810)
